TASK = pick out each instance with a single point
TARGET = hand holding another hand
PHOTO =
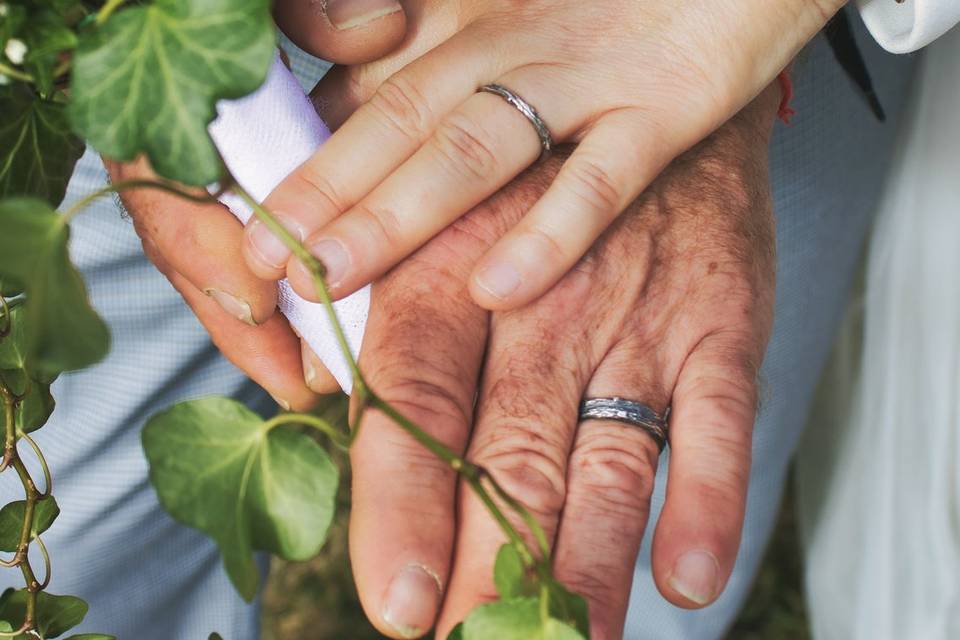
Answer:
(672, 307)
(634, 84)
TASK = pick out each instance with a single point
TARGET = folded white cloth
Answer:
(263, 138)
(902, 27)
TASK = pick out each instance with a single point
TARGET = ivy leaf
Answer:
(148, 80)
(510, 576)
(47, 36)
(64, 332)
(55, 615)
(568, 607)
(36, 402)
(11, 521)
(220, 468)
(35, 408)
(215, 636)
(517, 619)
(37, 149)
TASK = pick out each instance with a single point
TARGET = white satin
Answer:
(880, 490)
(263, 138)
(902, 27)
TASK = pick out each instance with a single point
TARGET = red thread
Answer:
(785, 113)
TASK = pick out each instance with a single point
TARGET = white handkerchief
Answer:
(263, 137)
(902, 27)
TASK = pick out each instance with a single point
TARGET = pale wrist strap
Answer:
(263, 137)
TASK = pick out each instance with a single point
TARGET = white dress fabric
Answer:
(879, 472)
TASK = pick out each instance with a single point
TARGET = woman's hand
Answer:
(672, 307)
(635, 83)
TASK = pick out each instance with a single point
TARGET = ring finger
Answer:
(474, 151)
(609, 483)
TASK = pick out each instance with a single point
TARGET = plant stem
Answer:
(472, 474)
(342, 440)
(107, 10)
(15, 74)
(22, 558)
(47, 478)
(126, 185)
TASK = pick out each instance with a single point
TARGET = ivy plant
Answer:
(136, 79)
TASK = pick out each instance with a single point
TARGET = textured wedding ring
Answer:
(635, 414)
(524, 107)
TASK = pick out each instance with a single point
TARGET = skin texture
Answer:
(675, 301)
(634, 84)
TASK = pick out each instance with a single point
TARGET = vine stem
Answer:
(471, 473)
(127, 185)
(22, 558)
(342, 440)
(15, 74)
(107, 10)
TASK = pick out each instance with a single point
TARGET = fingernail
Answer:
(412, 601)
(270, 249)
(280, 401)
(696, 576)
(347, 14)
(334, 258)
(499, 280)
(232, 305)
(309, 368)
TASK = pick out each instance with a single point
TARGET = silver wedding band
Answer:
(524, 107)
(629, 412)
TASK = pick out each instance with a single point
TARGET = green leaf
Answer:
(37, 149)
(8, 289)
(517, 619)
(509, 575)
(456, 633)
(11, 521)
(63, 331)
(55, 615)
(215, 636)
(13, 345)
(35, 408)
(47, 37)
(568, 607)
(148, 80)
(218, 467)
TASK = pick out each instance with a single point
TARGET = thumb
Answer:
(343, 31)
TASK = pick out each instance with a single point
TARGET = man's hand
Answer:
(199, 247)
(673, 307)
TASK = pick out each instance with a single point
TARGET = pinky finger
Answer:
(606, 172)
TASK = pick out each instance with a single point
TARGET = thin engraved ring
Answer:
(524, 107)
(629, 412)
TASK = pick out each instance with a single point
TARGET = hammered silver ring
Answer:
(629, 412)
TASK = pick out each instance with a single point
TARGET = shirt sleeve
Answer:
(902, 27)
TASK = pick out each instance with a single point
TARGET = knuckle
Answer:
(314, 181)
(431, 391)
(402, 108)
(615, 476)
(529, 466)
(382, 226)
(593, 184)
(465, 147)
